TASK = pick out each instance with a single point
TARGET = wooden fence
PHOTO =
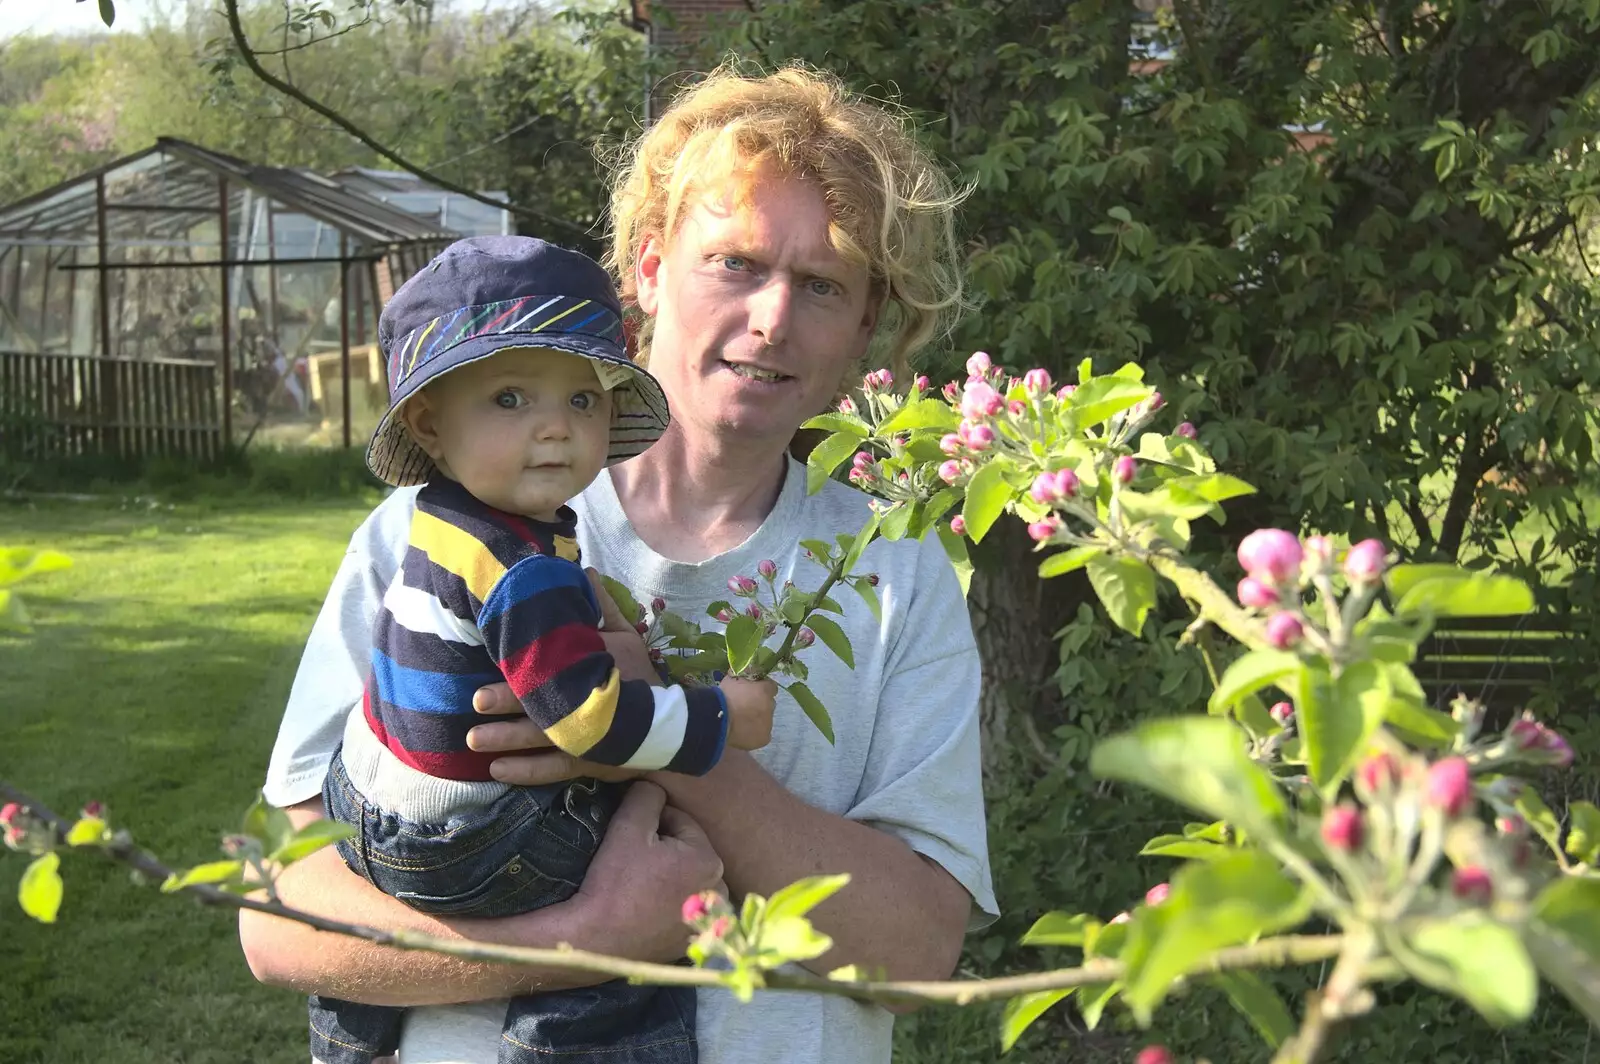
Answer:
(57, 405)
(1500, 661)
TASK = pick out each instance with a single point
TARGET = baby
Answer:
(510, 390)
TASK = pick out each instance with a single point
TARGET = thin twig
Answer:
(1268, 953)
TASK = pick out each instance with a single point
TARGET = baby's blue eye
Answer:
(508, 399)
(584, 401)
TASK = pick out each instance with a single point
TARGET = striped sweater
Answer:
(484, 595)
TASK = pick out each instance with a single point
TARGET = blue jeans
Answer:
(528, 849)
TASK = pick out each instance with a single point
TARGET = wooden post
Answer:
(109, 404)
(227, 314)
(272, 277)
(344, 328)
(50, 263)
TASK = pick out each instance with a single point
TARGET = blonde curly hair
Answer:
(892, 206)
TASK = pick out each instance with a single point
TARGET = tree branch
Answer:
(241, 44)
(1267, 953)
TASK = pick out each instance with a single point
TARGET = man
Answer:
(769, 230)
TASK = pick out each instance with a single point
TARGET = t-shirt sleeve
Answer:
(327, 685)
(924, 780)
(540, 623)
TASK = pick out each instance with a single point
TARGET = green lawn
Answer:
(153, 681)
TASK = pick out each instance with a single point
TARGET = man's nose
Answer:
(770, 307)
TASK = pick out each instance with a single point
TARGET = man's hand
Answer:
(551, 765)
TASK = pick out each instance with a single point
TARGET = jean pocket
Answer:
(518, 886)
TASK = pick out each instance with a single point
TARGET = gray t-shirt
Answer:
(905, 719)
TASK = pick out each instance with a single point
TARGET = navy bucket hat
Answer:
(486, 294)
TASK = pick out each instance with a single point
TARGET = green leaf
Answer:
(921, 414)
(744, 639)
(803, 895)
(894, 522)
(1102, 397)
(1260, 1004)
(1020, 1012)
(90, 831)
(833, 637)
(849, 424)
(623, 598)
(1216, 487)
(1531, 808)
(869, 595)
(1212, 904)
(108, 12)
(1583, 841)
(791, 938)
(1338, 718)
(1199, 762)
(267, 824)
(208, 873)
(1060, 929)
(1422, 723)
(311, 838)
(1067, 561)
(40, 891)
(1467, 595)
(813, 708)
(1564, 938)
(825, 458)
(987, 496)
(1253, 672)
(955, 548)
(1184, 848)
(1127, 589)
(1402, 578)
(820, 549)
(1093, 999)
(19, 563)
(858, 544)
(1479, 960)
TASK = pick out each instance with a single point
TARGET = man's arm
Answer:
(650, 860)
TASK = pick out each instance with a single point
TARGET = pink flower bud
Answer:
(847, 405)
(9, 813)
(1153, 1055)
(872, 579)
(1318, 552)
(658, 605)
(1155, 402)
(1256, 595)
(1449, 785)
(1366, 561)
(642, 628)
(920, 384)
(1065, 391)
(1377, 774)
(94, 809)
(724, 616)
(979, 365)
(1342, 828)
(980, 401)
(1284, 630)
(1282, 712)
(1044, 530)
(804, 638)
(1036, 381)
(1539, 743)
(1472, 885)
(980, 438)
(862, 460)
(1121, 918)
(1046, 489)
(952, 444)
(1125, 469)
(1186, 430)
(885, 379)
(767, 568)
(1017, 407)
(741, 585)
(1271, 555)
(958, 525)
(694, 907)
(720, 926)
(950, 471)
(753, 611)
(1157, 894)
(951, 390)
(1512, 825)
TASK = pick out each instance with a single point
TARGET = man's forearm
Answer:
(288, 954)
(901, 912)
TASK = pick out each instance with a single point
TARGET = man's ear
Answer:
(421, 419)
(647, 274)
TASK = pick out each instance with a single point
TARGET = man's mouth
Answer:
(756, 373)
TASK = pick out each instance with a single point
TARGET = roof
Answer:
(157, 195)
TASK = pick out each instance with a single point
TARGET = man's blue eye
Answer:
(822, 288)
(734, 262)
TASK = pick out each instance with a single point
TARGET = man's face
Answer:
(756, 316)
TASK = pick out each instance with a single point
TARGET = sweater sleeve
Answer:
(540, 623)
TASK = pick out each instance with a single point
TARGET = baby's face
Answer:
(523, 430)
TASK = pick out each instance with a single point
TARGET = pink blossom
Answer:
(1017, 408)
(952, 444)
(724, 616)
(980, 400)
(1472, 885)
(1449, 785)
(1053, 487)
(1154, 403)
(1377, 774)
(1036, 381)
(1271, 555)
(950, 471)
(1512, 825)
(694, 907)
(1541, 743)
(720, 926)
(1125, 469)
(742, 585)
(951, 390)
(767, 568)
(1043, 530)
(1342, 827)
(1365, 562)
(1256, 595)
(1065, 391)
(9, 812)
(1282, 712)
(980, 438)
(920, 384)
(804, 638)
(862, 460)
(1186, 430)
(1284, 630)
(641, 627)
(657, 605)
(1318, 552)
(1157, 894)
(847, 405)
(753, 611)
(1153, 1055)
(958, 525)
(979, 365)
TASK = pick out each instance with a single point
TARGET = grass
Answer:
(153, 681)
